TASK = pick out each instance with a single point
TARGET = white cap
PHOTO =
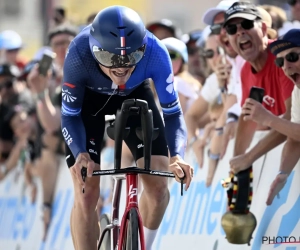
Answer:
(11, 40)
(176, 45)
(201, 41)
(210, 14)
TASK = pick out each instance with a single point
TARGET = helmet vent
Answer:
(130, 33)
(113, 34)
(121, 27)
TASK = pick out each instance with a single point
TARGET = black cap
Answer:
(62, 29)
(9, 70)
(191, 37)
(290, 40)
(164, 23)
(242, 10)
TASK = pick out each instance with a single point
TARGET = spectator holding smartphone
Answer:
(247, 27)
(287, 51)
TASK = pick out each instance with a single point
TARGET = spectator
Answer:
(197, 116)
(219, 145)
(287, 50)
(12, 93)
(187, 86)
(295, 21)
(295, 9)
(22, 124)
(49, 93)
(12, 44)
(228, 79)
(194, 58)
(278, 15)
(247, 32)
(215, 110)
(163, 29)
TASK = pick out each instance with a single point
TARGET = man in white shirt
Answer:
(287, 51)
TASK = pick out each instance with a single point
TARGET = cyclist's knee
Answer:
(158, 191)
(87, 200)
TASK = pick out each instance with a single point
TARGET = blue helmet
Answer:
(118, 37)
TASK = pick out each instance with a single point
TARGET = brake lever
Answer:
(83, 175)
(181, 186)
(181, 183)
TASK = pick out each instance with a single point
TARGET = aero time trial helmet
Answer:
(118, 37)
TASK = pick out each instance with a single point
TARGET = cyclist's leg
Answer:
(155, 197)
(84, 218)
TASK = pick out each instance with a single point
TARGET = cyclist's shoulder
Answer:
(155, 47)
(80, 44)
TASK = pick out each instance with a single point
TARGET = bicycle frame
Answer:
(131, 176)
(118, 133)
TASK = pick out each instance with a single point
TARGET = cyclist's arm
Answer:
(72, 97)
(162, 75)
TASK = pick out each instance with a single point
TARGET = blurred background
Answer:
(33, 18)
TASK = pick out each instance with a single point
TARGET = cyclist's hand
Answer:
(276, 186)
(181, 169)
(83, 160)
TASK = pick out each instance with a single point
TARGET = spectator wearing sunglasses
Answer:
(196, 66)
(197, 115)
(228, 78)
(287, 51)
(12, 93)
(248, 27)
(187, 86)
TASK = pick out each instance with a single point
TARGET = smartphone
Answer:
(257, 94)
(46, 62)
(221, 52)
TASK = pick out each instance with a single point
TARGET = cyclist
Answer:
(107, 63)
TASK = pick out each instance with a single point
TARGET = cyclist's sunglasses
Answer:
(8, 84)
(290, 57)
(208, 53)
(231, 29)
(292, 2)
(111, 60)
(174, 55)
(216, 28)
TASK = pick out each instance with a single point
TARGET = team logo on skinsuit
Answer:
(170, 87)
(67, 96)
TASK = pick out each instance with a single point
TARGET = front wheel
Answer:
(132, 231)
(106, 243)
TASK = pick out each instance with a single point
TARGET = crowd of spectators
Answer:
(214, 70)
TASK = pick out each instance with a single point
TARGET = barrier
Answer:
(191, 222)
